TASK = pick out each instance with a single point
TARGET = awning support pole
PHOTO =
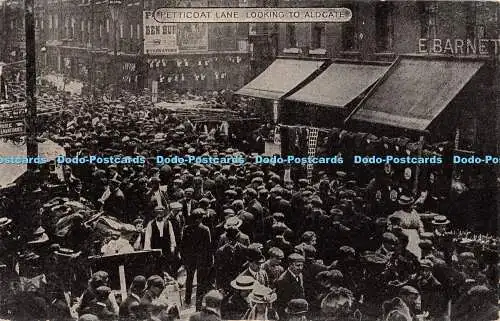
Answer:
(417, 169)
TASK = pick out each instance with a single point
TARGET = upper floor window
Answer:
(291, 37)
(350, 31)
(384, 24)
(428, 12)
(317, 36)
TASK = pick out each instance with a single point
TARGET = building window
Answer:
(66, 27)
(139, 33)
(318, 33)
(428, 19)
(89, 28)
(73, 22)
(50, 21)
(470, 20)
(41, 24)
(291, 38)
(384, 33)
(82, 30)
(349, 31)
(131, 31)
(100, 31)
(107, 25)
(121, 30)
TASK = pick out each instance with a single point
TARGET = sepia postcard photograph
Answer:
(281, 160)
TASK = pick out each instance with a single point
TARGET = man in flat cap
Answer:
(157, 194)
(404, 306)
(389, 242)
(188, 205)
(290, 284)
(160, 234)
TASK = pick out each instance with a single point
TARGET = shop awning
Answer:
(339, 84)
(280, 78)
(416, 91)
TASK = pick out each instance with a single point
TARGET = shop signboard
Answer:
(159, 38)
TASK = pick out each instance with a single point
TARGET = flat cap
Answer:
(295, 257)
(407, 289)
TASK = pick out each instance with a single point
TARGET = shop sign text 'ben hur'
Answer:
(251, 15)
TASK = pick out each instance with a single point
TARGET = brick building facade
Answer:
(78, 37)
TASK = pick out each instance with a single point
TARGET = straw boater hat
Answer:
(405, 200)
(262, 294)
(244, 283)
(440, 220)
(4, 222)
(233, 222)
(39, 236)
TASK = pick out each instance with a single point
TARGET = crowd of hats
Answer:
(334, 205)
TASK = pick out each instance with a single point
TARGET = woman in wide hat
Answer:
(261, 299)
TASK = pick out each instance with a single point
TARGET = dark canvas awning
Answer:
(280, 78)
(416, 91)
(339, 84)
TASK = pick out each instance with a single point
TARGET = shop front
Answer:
(282, 78)
(329, 98)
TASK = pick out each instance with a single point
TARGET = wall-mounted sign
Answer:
(159, 38)
(459, 47)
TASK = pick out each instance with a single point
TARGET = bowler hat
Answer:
(297, 307)
(254, 255)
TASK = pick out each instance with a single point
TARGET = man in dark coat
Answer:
(196, 249)
(252, 204)
(229, 260)
(254, 269)
(188, 205)
(290, 285)
(113, 201)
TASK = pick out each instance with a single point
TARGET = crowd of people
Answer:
(258, 246)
